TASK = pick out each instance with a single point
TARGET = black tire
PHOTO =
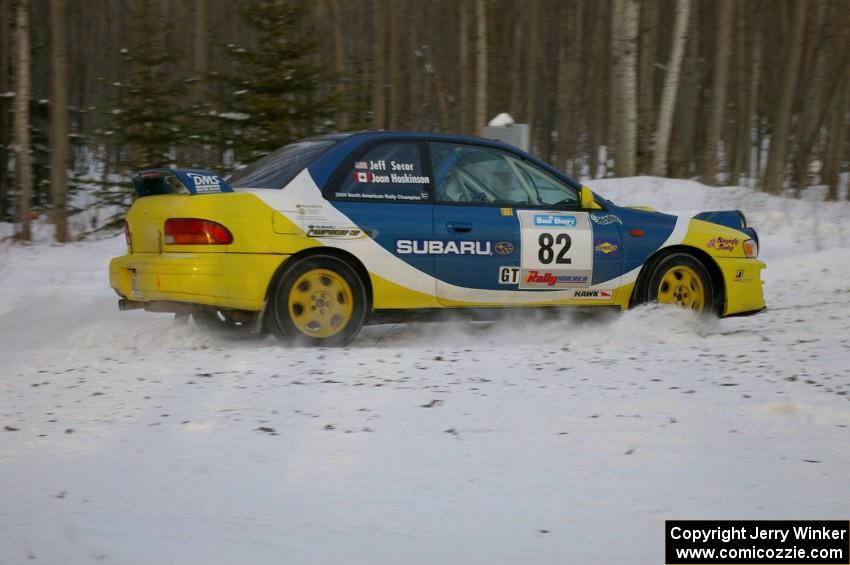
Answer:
(691, 276)
(220, 322)
(306, 320)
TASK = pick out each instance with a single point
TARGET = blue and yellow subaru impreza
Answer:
(327, 234)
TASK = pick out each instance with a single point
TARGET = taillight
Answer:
(751, 248)
(128, 236)
(193, 231)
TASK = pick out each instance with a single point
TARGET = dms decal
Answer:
(437, 247)
(205, 183)
(605, 219)
(554, 221)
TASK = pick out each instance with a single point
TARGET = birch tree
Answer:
(627, 149)
(671, 87)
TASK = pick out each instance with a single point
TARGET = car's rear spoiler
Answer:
(167, 181)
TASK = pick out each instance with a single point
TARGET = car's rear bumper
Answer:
(226, 280)
(744, 287)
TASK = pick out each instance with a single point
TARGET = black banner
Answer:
(761, 542)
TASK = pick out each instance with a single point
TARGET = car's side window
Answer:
(549, 190)
(469, 173)
(388, 172)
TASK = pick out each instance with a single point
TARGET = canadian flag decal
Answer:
(362, 176)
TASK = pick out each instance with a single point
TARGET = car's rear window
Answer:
(276, 169)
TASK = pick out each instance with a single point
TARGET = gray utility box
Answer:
(514, 134)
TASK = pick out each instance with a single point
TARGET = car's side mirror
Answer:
(585, 196)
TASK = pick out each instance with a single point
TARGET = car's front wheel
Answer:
(681, 279)
(319, 301)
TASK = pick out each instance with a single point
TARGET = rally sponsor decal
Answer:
(552, 279)
(593, 295)
(554, 220)
(606, 247)
(334, 232)
(557, 250)
(205, 183)
(722, 243)
(605, 219)
(443, 247)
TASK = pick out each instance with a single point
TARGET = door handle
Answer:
(459, 227)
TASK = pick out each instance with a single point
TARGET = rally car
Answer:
(330, 233)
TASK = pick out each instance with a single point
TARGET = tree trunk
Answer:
(774, 172)
(563, 88)
(59, 120)
(22, 120)
(463, 52)
(753, 163)
(686, 110)
(533, 40)
(200, 64)
(627, 148)
(598, 102)
(615, 91)
(379, 54)
(394, 74)
(339, 62)
(836, 139)
(481, 66)
(718, 95)
(646, 77)
(5, 134)
(671, 87)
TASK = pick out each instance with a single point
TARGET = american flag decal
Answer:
(361, 165)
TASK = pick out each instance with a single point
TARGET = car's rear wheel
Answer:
(681, 279)
(319, 301)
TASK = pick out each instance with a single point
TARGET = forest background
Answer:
(748, 92)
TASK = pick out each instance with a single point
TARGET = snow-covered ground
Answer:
(125, 438)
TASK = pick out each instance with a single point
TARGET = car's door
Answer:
(516, 227)
(385, 190)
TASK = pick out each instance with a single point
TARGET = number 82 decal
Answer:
(548, 242)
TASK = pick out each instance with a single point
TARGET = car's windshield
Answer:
(276, 169)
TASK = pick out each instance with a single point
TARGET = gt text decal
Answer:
(508, 275)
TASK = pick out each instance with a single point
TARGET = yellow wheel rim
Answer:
(682, 286)
(320, 303)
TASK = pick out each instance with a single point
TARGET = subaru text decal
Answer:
(438, 247)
